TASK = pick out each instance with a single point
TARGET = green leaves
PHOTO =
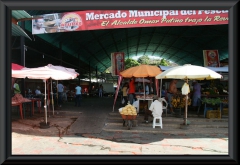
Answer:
(212, 101)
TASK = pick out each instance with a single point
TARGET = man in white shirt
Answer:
(155, 109)
(60, 88)
(147, 89)
(78, 96)
(37, 91)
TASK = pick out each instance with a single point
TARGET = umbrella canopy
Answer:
(46, 72)
(141, 71)
(17, 67)
(189, 71)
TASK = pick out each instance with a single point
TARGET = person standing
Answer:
(60, 89)
(16, 87)
(78, 94)
(171, 91)
(125, 93)
(196, 94)
(147, 89)
(131, 90)
(100, 91)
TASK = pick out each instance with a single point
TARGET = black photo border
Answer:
(5, 79)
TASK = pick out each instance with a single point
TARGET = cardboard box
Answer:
(225, 111)
(213, 114)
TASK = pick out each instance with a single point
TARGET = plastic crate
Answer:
(213, 114)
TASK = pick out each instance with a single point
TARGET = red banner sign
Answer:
(108, 19)
(211, 58)
(117, 59)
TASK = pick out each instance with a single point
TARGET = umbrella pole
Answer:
(144, 89)
(186, 106)
(160, 91)
(57, 92)
(45, 106)
(52, 97)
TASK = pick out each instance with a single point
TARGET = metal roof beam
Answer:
(126, 32)
(114, 41)
(100, 44)
(139, 37)
(161, 41)
(149, 41)
(201, 46)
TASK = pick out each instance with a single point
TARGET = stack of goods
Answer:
(128, 112)
(18, 98)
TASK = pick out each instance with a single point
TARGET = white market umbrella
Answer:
(188, 72)
(44, 73)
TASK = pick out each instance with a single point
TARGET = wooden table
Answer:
(20, 107)
(38, 100)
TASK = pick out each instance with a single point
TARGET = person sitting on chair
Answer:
(155, 109)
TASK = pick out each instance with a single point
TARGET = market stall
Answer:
(44, 73)
(189, 72)
(141, 71)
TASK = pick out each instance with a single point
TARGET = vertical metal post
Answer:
(186, 107)
(60, 52)
(89, 75)
(79, 80)
(22, 45)
(96, 74)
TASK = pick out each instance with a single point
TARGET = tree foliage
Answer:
(144, 59)
(163, 62)
(130, 63)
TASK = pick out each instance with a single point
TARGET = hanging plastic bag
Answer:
(123, 101)
(185, 89)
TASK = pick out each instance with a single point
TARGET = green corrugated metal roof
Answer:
(20, 14)
(17, 30)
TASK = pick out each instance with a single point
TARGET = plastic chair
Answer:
(155, 123)
(165, 102)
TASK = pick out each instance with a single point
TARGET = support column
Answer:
(79, 80)
(89, 75)
(96, 74)
(22, 46)
(60, 52)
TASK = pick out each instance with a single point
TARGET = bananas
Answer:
(179, 101)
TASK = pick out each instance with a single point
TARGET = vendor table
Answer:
(213, 96)
(38, 100)
(150, 100)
